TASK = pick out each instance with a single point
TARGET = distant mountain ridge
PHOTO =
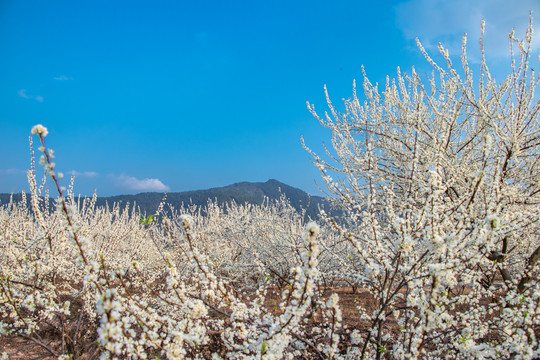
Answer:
(243, 192)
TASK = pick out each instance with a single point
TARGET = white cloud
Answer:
(445, 21)
(89, 174)
(63, 78)
(135, 184)
(22, 93)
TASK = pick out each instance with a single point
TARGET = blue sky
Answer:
(175, 95)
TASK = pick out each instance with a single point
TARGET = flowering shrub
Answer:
(440, 182)
(440, 189)
(82, 281)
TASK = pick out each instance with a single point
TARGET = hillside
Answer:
(243, 192)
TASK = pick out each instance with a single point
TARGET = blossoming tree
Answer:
(440, 181)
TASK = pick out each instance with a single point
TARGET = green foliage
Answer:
(146, 221)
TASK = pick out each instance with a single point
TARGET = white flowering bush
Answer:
(440, 181)
(84, 282)
(435, 256)
(248, 244)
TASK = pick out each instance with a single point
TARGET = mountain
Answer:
(244, 192)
